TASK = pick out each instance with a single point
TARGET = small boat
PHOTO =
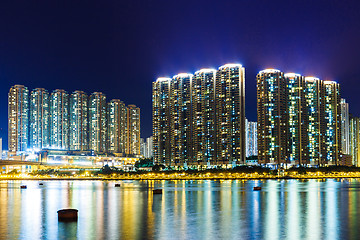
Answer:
(157, 191)
(41, 184)
(117, 184)
(257, 188)
(23, 186)
(67, 215)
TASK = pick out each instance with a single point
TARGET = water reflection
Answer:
(286, 209)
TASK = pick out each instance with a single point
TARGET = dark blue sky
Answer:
(121, 47)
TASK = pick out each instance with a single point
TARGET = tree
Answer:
(146, 162)
(158, 167)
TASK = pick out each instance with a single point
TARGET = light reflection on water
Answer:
(283, 209)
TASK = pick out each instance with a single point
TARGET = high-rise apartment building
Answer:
(146, 147)
(162, 121)
(117, 120)
(271, 111)
(39, 134)
(18, 110)
(149, 147)
(142, 147)
(133, 130)
(230, 114)
(59, 119)
(295, 118)
(79, 121)
(314, 114)
(355, 140)
(345, 127)
(97, 122)
(332, 123)
(181, 118)
(298, 119)
(203, 115)
(76, 122)
(251, 138)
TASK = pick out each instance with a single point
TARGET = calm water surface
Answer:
(284, 209)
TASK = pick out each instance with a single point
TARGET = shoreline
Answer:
(170, 179)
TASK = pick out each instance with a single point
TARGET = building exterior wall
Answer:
(161, 121)
(355, 140)
(271, 107)
(251, 139)
(97, 122)
(149, 147)
(203, 115)
(117, 114)
(314, 114)
(230, 114)
(59, 119)
(295, 117)
(39, 134)
(345, 127)
(79, 124)
(133, 130)
(332, 124)
(181, 116)
(18, 118)
(299, 120)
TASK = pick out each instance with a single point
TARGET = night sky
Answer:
(121, 47)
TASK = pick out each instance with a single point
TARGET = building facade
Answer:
(345, 127)
(161, 122)
(251, 139)
(146, 147)
(76, 122)
(18, 117)
(39, 134)
(203, 115)
(295, 117)
(79, 122)
(314, 114)
(97, 122)
(39, 131)
(332, 124)
(117, 114)
(230, 114)
(271, 111)
(355, 140)
(149, 147)
(299, 120)
(181, 118)
(133, 130)
(59, 119)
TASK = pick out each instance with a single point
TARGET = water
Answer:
(283, 209)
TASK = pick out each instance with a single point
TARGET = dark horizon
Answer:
(121, 47)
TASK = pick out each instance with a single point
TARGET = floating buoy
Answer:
(117, 184)
(257, 188)
(157, 191)
(67, 215)
(23, 186)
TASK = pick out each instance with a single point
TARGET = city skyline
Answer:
(40, 120)
(183, 119)
(299, 119)
(199, 119)
(103, 47)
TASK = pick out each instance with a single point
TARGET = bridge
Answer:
(17, 162)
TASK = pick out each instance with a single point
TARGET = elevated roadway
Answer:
(17, 162)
